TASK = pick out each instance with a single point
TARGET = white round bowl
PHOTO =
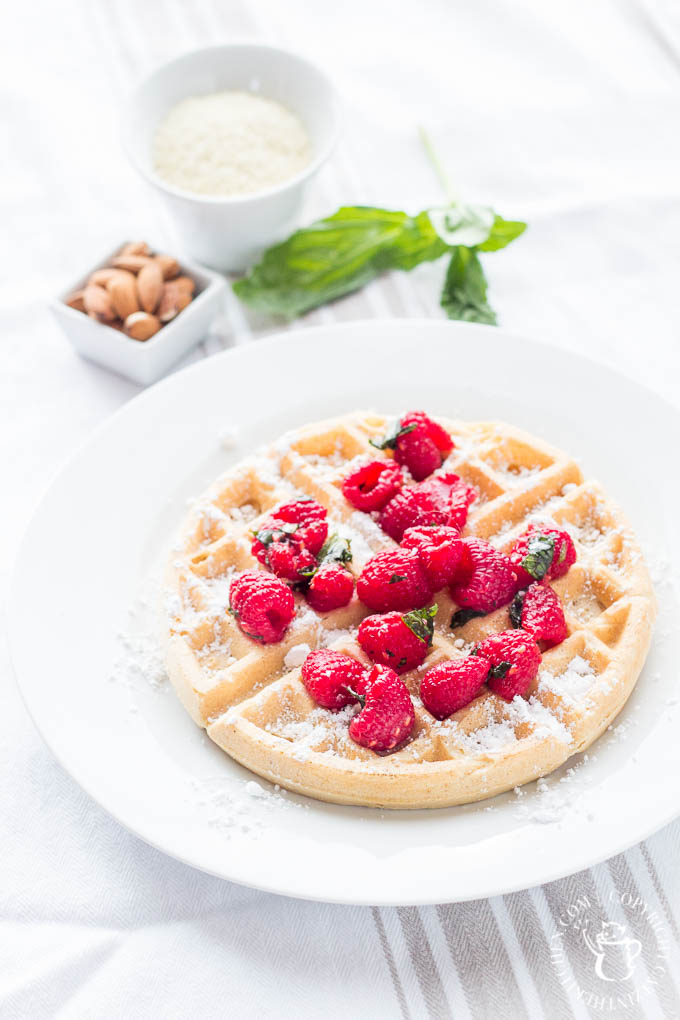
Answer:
(229, 232)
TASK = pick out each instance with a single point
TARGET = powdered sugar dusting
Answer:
(498, 734)
(296, 655)
(322, 731)
(573, 684)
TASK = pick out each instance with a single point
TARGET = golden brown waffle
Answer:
(251, 699)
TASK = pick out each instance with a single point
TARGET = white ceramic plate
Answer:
(104, 525)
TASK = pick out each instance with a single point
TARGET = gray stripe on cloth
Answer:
(391, 965)
(474, 940)
(423, 962)
(643, 925)
(659, 890)
(534, 945)
(560, 896)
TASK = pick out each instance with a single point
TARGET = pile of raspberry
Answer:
(425, 510)
(427, 519)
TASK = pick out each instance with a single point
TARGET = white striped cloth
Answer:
(564, 114)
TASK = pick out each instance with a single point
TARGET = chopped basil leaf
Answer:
(279, 534)
(501, 670)
(421, 623)
(395, 578)
(336, 550)
(539, 555)
(462, 616)
(389, 440)
(516, 607)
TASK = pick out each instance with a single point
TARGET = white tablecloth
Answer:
(564, 114)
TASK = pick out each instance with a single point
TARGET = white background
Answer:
(563, 114)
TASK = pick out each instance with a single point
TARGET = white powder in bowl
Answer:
(229, 143)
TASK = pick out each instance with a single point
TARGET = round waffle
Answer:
(250, 697)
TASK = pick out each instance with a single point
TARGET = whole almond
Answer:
(135, 248)
(97, 302)
(150, 286)
(123, 290)
(186, 284)
(102, 276)
(141, 325)
(133, 263)
(169, 265)
(75, 300)
(173, 300)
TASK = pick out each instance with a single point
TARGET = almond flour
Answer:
(229, 143)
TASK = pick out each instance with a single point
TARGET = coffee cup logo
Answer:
(608, 965)
(615, 952)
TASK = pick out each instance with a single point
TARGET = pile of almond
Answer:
(138, 293)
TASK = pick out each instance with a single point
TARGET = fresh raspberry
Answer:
(243, 586)
(419, 453)
(514, 659)
(301, 511)
(330, 588)
(460, 500)
(443, 555)
(491, 583)
(419, 443)
(290, 559)
(393, 580)
(289, 538)
(262, 604)
(441, 500)
(305, 519)
(410, 508)
(400, 642)
(371, 486)
(538, 611)
(542, 552)
(453, 684)
(387, 717)
(332, 678)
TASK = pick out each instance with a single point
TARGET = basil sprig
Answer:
(345, 251)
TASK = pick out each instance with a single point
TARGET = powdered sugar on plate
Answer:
(556, 798)
(242, 807)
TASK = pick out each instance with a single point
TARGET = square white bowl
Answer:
(143, 361)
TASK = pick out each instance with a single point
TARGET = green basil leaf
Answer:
(389, 440)
(501, 670)
(464, 293)
(336, 550)
(463, 616)
(421, 622)
(335, 256)
(502, 233)
(516, 607)
(278, 534)
(539, 555)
